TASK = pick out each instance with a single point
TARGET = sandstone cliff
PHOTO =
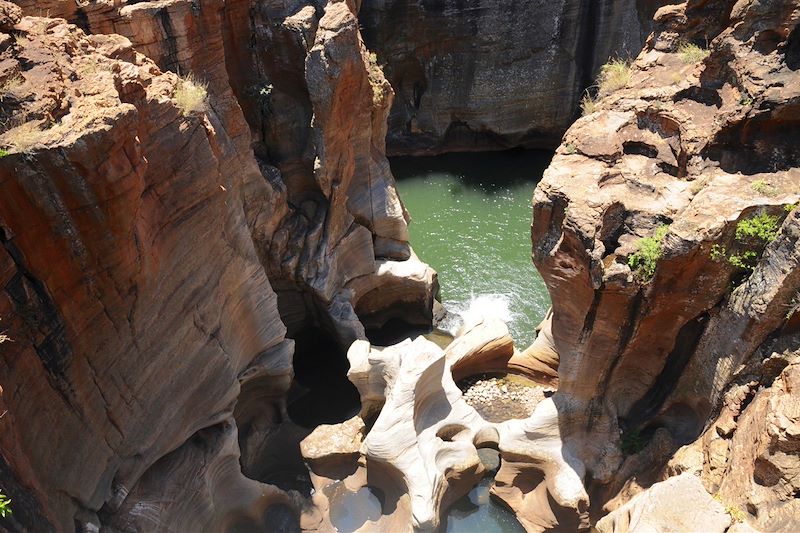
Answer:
(666, 230)
(144, 244)
(480, 75)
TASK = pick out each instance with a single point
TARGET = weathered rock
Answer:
(757, 471)
(694, 146)
(167, 229)
(677, 504)
(487, 75)
(131, 287)
(332, 449)
(483, 347)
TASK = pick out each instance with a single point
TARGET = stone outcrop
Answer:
(483, 75)
(153, 257)
(644, 234)
(157, 262)
(677, 504)
(316, 107)
(421, 449)
(126, 259)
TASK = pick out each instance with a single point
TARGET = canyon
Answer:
(192, 293)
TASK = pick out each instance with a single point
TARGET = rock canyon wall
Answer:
(158, 259)
(666, 230)
(190, 190)
(483, 74)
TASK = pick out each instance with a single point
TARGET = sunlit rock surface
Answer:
(701, 146)
(144, 247)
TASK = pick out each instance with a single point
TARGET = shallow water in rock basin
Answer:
(471, 216)
(477, 512)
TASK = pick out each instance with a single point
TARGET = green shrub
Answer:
(791, 207)
(5, 505)
(691, 53)
(764, 188)
(191, 95)
(752, 236)
(644, 261)
(614, 75)
(4, 153)
(763, 227)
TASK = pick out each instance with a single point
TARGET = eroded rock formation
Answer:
(142, 243)
(688, 157)
(666, 230)
(159, 260)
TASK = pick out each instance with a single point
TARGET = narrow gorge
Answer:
(221, 226)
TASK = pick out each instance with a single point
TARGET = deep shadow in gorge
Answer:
(321, 392)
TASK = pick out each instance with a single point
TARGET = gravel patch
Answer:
(500, 398)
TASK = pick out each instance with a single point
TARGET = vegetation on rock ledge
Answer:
(691, 53)
(614, 75)
(643, 262)
(752, 236)
(5, 505)
(191, 95)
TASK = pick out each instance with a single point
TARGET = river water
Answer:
(470, 220)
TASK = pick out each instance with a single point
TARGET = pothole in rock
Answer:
(502, 397)
(479, 510)
(351, 511)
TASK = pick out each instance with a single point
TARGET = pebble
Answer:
(497, 399)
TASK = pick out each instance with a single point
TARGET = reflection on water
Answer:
(470, 220)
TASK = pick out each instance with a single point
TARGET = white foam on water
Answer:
(478, 309)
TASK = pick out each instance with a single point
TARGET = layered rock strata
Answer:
(142, 241)
(335, 233)
(126, 259)
(483, 75)
(666, 231)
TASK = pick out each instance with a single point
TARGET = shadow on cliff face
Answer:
(270, 431)
(506, 168)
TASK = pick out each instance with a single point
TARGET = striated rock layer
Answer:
(485, 74)
(157, 261)
(696, 160)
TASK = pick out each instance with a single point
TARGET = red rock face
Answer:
(132, 290)
(139, 243)
(689, 143)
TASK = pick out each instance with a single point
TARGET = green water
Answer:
(471, 216)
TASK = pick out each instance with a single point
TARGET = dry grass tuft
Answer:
(11, 86)
(691, 53)
(588, 105)
(191, 95)
(22, 139)
(614, 75)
